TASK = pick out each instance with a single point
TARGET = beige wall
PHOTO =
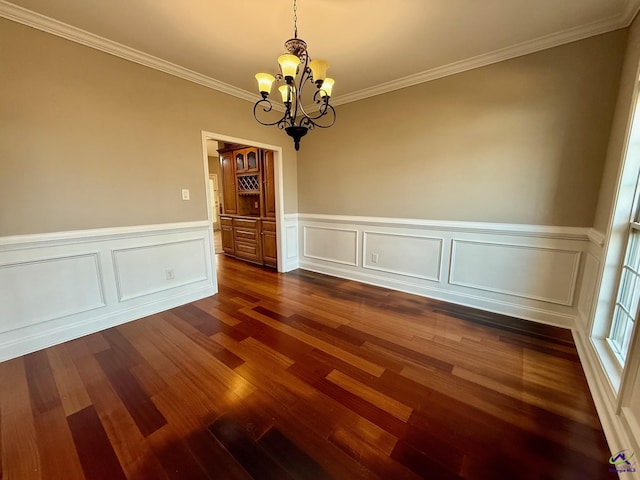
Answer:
(89, 140)
(619, 129)
(521, 141)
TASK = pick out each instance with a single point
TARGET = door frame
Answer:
(279, 185)
(211, 175)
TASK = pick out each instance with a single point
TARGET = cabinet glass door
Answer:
(252, 161)
(240, 162)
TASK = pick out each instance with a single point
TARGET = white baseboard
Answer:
(620, 434)
(59, 286)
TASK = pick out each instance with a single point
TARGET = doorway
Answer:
(214, 192)
(269, 215)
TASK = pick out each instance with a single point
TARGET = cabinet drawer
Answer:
(245, 223)
(226, 221)
(248, 251)
(246, 235)
(246, 248)
(268, 226)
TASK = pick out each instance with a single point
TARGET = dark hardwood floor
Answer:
(304, 376)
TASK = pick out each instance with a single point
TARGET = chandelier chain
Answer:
(295, 19)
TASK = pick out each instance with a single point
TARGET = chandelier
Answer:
(297, 70)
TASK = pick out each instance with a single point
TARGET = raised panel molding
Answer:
(291, 243)
(34, 291)
(331, 244)
(587, 290)
(142, 270)
(535, 273)
(59, 286)
(410, 255)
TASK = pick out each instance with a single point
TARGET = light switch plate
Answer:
(185, 194)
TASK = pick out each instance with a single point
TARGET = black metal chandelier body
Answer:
(297, 71)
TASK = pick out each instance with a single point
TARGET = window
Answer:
(628, 298)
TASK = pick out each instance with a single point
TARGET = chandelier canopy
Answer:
(297, 70)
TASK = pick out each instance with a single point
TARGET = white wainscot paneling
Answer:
(335, 245)
(292, 241)
(531, 272)
(589, 278)
(59, 286)
(410, 255)
(37, 291)
(526, 271)
(148, 269)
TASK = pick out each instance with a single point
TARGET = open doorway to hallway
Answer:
(249, 219)
(214, 192)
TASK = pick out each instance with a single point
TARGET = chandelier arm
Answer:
(322, 111)
(297, 96)
(267, 107)
(304, 80)
(310, 122)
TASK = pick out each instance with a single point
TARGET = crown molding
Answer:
(69, 32)
(622, 20)
(630, 11)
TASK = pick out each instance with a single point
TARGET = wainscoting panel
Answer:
(587, 291)
(153, 268)
(59, 286)
(523, 271)
(410, 255)
(527, 271)
(291, 243)
(35, 291)
(337, 245)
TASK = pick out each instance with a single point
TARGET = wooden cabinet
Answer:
(226, 229)
(250, 239)
(268, 186)
(229, 196)
(269, 244)
(246, 234)
(248, 220)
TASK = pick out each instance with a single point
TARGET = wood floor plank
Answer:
(254, 458)
(42, 386)
(424, 465)
(73, 394)
(295, 461)
(132, 451)
(176, 458)
(20, 458)
(370, 457)
(97, 457)
(394, 407)
(356, 361)
(56, 448)
(302, 375)
(199, 337)
(141, 408)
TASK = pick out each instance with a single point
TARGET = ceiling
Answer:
(373, 46)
